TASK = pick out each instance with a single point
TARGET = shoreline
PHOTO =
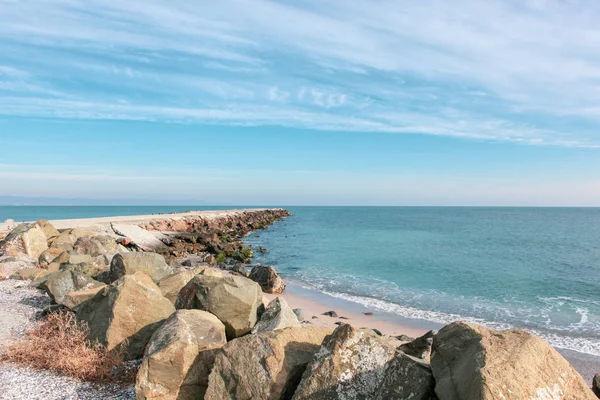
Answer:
(315, 303)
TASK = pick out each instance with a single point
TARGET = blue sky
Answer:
(302, 102)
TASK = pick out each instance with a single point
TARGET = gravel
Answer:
(19, 305)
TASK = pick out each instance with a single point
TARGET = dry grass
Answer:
(60, 344)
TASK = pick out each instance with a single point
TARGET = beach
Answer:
(313, 303)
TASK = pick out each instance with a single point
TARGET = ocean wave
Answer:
(579, 344)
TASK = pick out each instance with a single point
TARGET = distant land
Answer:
(58, 201)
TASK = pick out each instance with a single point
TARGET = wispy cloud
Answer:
(496, 70)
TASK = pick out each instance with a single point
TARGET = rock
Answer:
(596, 385)
(83, 232)
(62, 258)
(64, 282)
(212, 272)
(368, 314)
(90, 269)
(107, 242)
(53, 267)
(152, 264)
(50, 255)
(75, 298)
(65, 240)
(331, 314)
(235, 300)
(268, 279)
(473, 362)
(126, 313)
(89, 246)
(25, 239)
(406, 377)
(240, 269)
(263, 366)
(41, 281)
(172, 285)
(421, 347)
(377, 331)
(29, 274)
(143, 239)
(351, 364)
(299, 313)
(179, 356)
(49, 230)
(405, 338)
(277, 315)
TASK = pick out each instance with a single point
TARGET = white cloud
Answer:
(510, 70)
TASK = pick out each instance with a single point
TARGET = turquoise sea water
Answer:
(531, 268)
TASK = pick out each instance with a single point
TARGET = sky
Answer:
(324, 102)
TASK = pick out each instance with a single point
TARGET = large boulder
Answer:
(278, 315)
(172, 285)
(126, 313)
(472, 362)
(235, 300)
(359, 364)
(152, 264)
(263, 366)
(61, 283)
(25, 239)
(178, 357)
(268, 279)
(49, 230)
(89, 246)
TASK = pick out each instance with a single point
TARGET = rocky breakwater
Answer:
(205, 333)
(219, 239)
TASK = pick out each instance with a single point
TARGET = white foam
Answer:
(579, 344)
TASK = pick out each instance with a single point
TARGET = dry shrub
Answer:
(60, 344)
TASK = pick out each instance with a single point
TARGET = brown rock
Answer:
(29, 274)
(179, 356)
(263, 366)
(50, 255)
(89, 246)
(75, 298)
(61, 283)
(49, 230)
(351, 364)
(277, 315)
(172, 285)
(126, 313)
(25, 239)
(235, 300)
(152, 264)
(268, 279)
(473, 362)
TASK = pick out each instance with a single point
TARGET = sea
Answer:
(530, 268)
